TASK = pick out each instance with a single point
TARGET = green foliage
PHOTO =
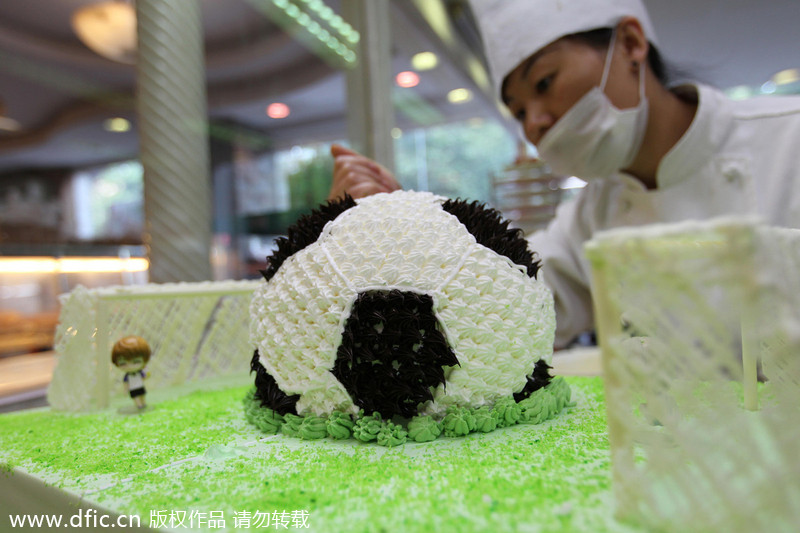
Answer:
(458, 158)
(119, 183)
(310, 184)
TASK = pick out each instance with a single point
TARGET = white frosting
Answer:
(498, 321)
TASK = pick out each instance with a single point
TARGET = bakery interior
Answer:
(277, 81)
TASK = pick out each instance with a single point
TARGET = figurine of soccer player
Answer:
(131, 354)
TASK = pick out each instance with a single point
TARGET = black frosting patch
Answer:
(491, 230)
(539, 378)
(393, 352)
(268, 392)
(305, 231)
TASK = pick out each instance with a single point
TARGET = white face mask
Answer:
(594, 139)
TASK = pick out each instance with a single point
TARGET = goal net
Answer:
(699, 325)
(195, 331)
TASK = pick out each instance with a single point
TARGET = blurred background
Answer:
(277, 81)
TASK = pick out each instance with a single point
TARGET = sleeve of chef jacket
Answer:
(565, 270)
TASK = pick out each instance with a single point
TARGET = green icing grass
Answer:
(70, 446)
(542, 405)
(554, 476)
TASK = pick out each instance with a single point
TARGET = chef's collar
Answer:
(710, 127)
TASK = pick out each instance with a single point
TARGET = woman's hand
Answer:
(357, 175)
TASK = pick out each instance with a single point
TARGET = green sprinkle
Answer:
(560, 482)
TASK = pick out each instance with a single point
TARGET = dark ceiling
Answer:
(60, 92)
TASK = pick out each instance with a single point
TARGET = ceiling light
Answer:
(407, 79)
(459, 96)
(768, 87)
(117, 125)
(315, 24)
(102, 264)
(278, 110)
(785, 77)
(108, 28)
(424, 61)
(9, 124)
(64, 265)
(739, 92)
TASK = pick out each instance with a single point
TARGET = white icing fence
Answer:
(688, 315)
(195, 331)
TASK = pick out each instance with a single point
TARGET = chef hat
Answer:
(513, 30)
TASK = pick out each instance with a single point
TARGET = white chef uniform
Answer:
(737, 158)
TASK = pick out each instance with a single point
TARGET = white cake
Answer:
(401, 304)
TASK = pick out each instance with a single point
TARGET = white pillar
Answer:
(370, 112)
(171, 105)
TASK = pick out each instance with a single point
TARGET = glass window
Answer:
(454, 160)
(107, 203)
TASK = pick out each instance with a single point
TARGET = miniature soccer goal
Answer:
(195, 331)
(699, 325)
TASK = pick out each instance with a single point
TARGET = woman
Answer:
(586, 84)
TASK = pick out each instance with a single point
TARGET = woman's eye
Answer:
(520, 115)
(543, 84)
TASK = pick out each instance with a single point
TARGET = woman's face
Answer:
(546, 85)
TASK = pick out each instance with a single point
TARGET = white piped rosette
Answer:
(498, 321)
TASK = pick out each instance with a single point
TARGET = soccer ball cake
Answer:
(400, 311)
